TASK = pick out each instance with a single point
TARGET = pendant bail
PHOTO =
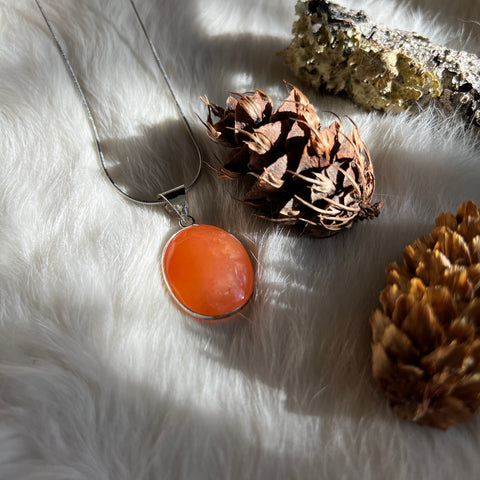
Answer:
(176, 204)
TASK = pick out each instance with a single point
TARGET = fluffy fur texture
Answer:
(101, 376)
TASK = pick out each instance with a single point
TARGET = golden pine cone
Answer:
(426, 339)
(319, 180)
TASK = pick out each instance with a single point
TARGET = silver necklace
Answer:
(207, 270)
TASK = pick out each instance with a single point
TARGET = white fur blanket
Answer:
(101, 375)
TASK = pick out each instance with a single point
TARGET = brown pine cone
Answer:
(319, 180)
(426, 338)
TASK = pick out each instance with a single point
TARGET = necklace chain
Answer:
(163, 198)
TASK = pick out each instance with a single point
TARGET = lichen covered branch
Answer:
(339, 50)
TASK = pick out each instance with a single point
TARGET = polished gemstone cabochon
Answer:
(208, 271)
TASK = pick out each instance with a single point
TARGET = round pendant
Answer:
(208, 271)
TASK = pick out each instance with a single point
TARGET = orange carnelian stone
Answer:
(208, 270)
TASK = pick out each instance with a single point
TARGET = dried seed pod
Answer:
(426, 337)
(319, 180)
